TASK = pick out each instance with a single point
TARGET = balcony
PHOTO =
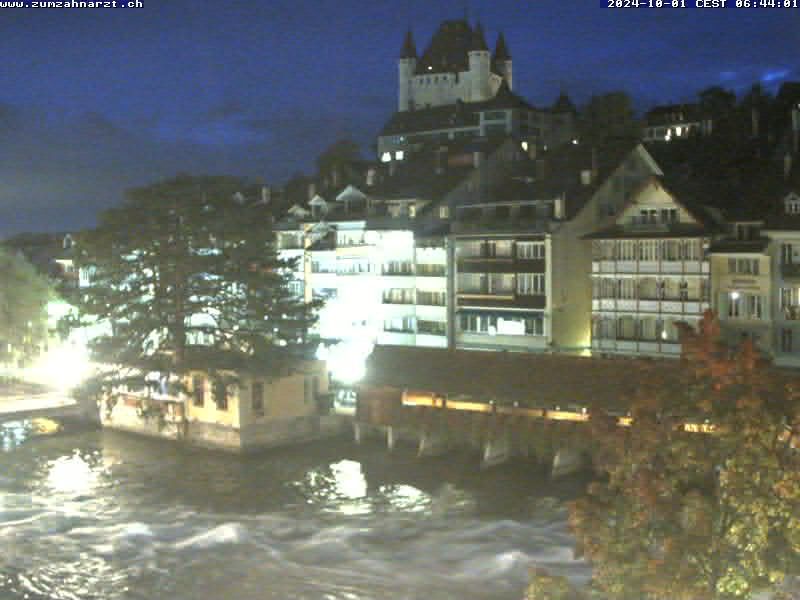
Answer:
(431, 270)
(390, 300)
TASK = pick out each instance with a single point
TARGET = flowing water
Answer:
(93, 514)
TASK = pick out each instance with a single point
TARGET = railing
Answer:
(431, 270)
(390, 300)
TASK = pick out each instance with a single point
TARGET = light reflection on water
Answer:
(91, 514)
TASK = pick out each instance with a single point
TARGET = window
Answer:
(398, 296)
(475, 323)
(530, 284)
(530, 250)
(648, 250)
(534, 325)
(627, 289)
(743, 266)
(745, 306)
(432, 327)
(444, 212)
(257, 397)
(627, 250)
(430, 298)
(754, 307)
(786, 340)
(787, 254)
(198, 390)
(671, 250)
(220, 392)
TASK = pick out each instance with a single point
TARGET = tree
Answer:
(606, 117)
(24, 295)
(185, 275)
(686, 515)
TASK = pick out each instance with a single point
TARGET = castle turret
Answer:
(407, 65)
(479, 66)
(501, 61)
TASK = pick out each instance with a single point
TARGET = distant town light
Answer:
(524, 146)
(574, 141)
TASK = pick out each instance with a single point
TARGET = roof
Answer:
(673, 113)
(450, 116)
(534, 380)
(448, 49)
(557, 172)
(409, 48)
(478, 39)
(501, 50)
(708, 220)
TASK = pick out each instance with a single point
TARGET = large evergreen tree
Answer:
(185, 275)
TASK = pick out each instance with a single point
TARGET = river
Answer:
(88, 514)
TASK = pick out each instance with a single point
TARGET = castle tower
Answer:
(501, 61)
(479, 66)
(406, 66)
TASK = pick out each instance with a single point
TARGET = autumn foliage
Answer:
(679, 514)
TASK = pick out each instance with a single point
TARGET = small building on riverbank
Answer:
(231, 411)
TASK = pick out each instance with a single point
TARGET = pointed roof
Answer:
(478, 39)
(447, 51)
(409, 48)
(501, 50)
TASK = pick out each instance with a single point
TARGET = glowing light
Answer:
(735, 295)
(64, 366)
(347, 361)
(71, 474)
(524, 146)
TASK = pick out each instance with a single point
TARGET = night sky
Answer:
(94, 101)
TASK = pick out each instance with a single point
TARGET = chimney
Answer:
(266, 194)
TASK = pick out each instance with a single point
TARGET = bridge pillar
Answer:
(497, 450)
(391, 437)
(432, 443)
(567, 461)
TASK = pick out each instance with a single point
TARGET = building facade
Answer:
(650, 270)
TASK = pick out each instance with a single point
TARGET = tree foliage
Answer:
(185, 275)
(24, 295)
(685, 515)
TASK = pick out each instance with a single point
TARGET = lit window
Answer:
(386, 157)
(399, 155)
(444, 212)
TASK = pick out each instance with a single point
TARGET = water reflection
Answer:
(94, 514)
